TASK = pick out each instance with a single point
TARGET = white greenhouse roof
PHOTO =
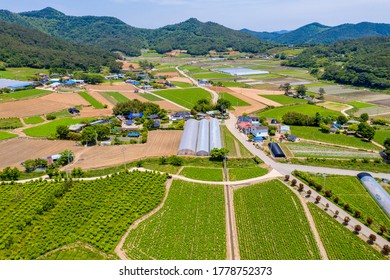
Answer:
(241, 71)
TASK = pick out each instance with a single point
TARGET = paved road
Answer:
(284, 168)
(213, 93)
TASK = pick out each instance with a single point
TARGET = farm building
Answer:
(276, 151)
(77, 128)
(189, 138)
(259, 133)
(203, 145)
(215, 135)
(376, 191)
(240, 71)
(284, 129)
(13, 84)
(199, 138)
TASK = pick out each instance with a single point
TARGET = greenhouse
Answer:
(240, 71)
(189, 138)
(376, 191)
(203, 147)
(215, 135)
(276, 151)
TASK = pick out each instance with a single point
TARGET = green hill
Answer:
(114, 35)
(25, 47)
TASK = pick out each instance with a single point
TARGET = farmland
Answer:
(22, 74)
(33, 120)
(39, 217)
(150, 97)
(307, 109)
(284, 100)
(10, 123)
(77, 252)
(229, 143)
(271, 224)
(96, 104)
(203, 174)
(381, 134)
(351, 191)
(114, 97)
(49, 129)
(31, 93)
(360, 105)
(6, 135)
(303, 149)
(238, 174)
(185, 97)
(340, 243)
(234, 101)
(182, 84)
(190, 226)
(313, 133)
(211, 75)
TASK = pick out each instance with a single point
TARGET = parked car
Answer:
(73, 111)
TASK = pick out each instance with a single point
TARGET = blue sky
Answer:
(260, 15)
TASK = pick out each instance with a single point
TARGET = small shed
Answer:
(153, 117)
(284, 129)
(132, 116)
(292, 138)
(77, 127)
(276, 150)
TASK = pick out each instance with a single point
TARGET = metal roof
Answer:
(203, 146)
(215, 135)
(189, 138)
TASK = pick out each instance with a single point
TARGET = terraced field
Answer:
(190, 226)
(340, 243)
(39, 217)
(271, 224)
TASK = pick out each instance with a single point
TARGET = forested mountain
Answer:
(316, 33)
(114, 35)
(21, 46)
(360, 62)
(199, 38)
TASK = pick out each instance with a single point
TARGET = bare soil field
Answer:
(17, 150)
(127, 65)
(90, 112)
(384, 102)
(180, 79)
(40, 106)
(252, 91)
(168, 106)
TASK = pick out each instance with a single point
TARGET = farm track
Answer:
(119, 248)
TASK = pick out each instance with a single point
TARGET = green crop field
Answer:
(10, 123)
(271, 224)
(284, 100)
(351, 191)
(203, 174)
(114, 97)
(311, 110)
(24, 94)
(150, 97)
(61, 114)
(6, 135)
(233, 84)
(38, 217)
(190, 226)
(233, 100)
(96, 104)
(182, 84)
(77, 252)
(314, 133)
(381, 135)
(238, 174)
(185, 97)
(294, 73)
(211, 75)
(339, 242)
(193, 69)
(228, 140)
(360, 105)
(49, 129)
(22, 74)
(33, 120)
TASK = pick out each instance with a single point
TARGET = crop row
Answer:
(41, 216)
(191, 225)
(271, 224)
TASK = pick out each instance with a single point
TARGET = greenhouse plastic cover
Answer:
(376, 191)
(215, 135)
(189, 138)
(203, 147)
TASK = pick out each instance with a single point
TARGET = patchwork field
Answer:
(304, 149)
(340, 243)
(233, 100)
(190, 225)
(271, 224)
(313, 133)
(24, 94)
(351, 191)
(311, 110)
(39, 217)
(203, 174)
(114, 97)
(185, 97)
(284, 100)
(96, 104)
(239, 174)
(33, 120)
(360, 105)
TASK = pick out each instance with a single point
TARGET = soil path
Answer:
(237, 146)
(119, 248)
